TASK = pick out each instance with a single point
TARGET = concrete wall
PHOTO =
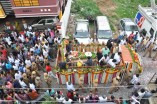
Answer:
(65, 18)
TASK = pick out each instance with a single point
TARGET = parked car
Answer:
(82, 31)
(45, 23)
(103, 30)
(127, 26)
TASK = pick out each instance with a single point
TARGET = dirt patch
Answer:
(106, 7)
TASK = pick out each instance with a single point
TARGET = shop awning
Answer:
(2, 13)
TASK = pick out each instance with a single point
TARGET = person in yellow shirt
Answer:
(79, 63)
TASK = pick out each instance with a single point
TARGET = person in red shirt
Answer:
(70, 94)
(33, 94)
(4, 53)
(49, 70)
(48, 67)
(131, 36)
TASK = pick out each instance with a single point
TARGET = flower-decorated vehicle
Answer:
(104, 74)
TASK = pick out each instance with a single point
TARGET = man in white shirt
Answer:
(22, 38)
(15, 67)
(32, 49)
(31, 85)
(17, 75)
(141, 93)
(46, 46)
(8, 40)
(45, 53)
(11, 59)
(135, 79)
(70, 86)
(117, 57)
(49, 39)
(22, 83)
(123, 42)
(102, 99)
(90, 40)
(67, 101)
(28, 62)
(134, 98)
(111, 63)
(59, 99)
(105, 59)
(17, 61)
(30, 28)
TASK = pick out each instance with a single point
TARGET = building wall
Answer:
(45, 8)
(47, 2)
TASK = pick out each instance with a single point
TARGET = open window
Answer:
(50, 21)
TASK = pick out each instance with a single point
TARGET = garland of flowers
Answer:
(134, 57)
(95, 70)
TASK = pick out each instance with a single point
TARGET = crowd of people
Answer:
(23, 54)
(26, 56)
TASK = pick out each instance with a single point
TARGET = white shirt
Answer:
(25, 25)
(32, 86)
(122, 42)
(141, 94)
(23, 84)
(17, 62)
(11, 59)
(112, 64)
(134, 80)
(45, 53)
(104, 59)
(55, 39)
(134, 100)
(18, 75)
(32, 49)
(102, 100)
(49, 39)
(41, 58)
(67, 102)
(8, 40)
(15, 67)
(22, 38)
(61, 99)
(46, 47)
(70, 87)
(28, 63)
(117, 57)
(90, 40)
(29, 27)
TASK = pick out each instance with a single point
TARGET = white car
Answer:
(103, 29)
(82, 31)
(45, 23)
(127, 26)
